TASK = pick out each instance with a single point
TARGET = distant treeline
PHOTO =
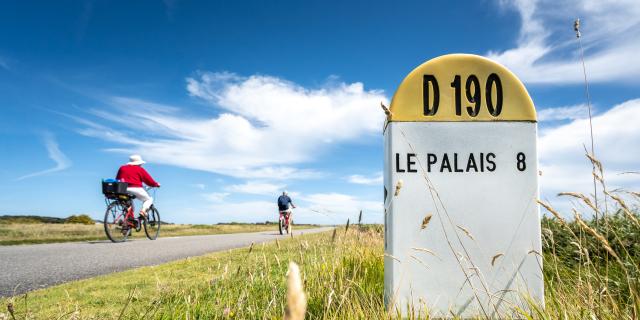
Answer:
(81, 219)
(85, 219)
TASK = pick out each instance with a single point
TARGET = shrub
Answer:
(80, 219)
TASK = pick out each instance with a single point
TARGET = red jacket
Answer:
(135, 176)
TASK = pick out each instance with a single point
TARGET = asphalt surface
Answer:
(25, 268)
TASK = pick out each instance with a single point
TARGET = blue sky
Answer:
(232, 101)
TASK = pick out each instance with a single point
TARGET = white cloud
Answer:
(268, 126)
(200, 186)
(256, 187)
(617, 142)
(340, 204)
(547, 50)
(322, 208)
(574, 112)
(55, 154)
(375, 180)
(216, 197)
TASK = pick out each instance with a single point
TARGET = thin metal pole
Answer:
(576, 28)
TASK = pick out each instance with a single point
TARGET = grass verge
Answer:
(342, 274)
(33, 233)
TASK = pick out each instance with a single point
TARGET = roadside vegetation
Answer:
(591, 272)
(31, 230)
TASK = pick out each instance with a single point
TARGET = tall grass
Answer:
(341, 277)
(592, 270)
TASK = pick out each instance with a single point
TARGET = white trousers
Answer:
(142, 195)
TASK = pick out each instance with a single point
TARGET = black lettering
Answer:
(474, 98)
(481, 162)
(496, 109)
(471, 163)
(398, 163)
(492, 165)
(455, 163)
(411, 163)
(431, 159)
(445, 163)
(521, 165)
(428, 80)
(456, 85)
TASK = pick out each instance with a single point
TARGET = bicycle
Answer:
(285, 222)
(120, 220)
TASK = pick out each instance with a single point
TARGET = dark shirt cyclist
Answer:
(285, 203)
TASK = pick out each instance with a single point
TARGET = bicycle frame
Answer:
(129, 216)
(285, 215)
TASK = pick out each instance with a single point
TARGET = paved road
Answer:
(28, 267)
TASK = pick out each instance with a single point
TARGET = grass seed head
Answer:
(598, 236)
(582, 197)
(493, 260)
(296, 299)
(466, 232)
(11, 310)
(425, 221)
(398, 187)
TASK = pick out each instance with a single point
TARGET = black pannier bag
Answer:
(112, 187)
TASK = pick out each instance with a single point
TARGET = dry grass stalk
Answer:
(347, 227)
(333, 237)
(597, 177)
(598, 236)
(296, 299)
(386, 110)
(11, 310)
(493, 260)
(595, 162)
(466, 232)
(425, 250)
(277, 259)
(360, 218)
(392, 257)
(251, 247)
(624, 207)
(557, 215)
(426, 220)
(398, 187)
(580, 196)
(553, 212)
(277, 243)
(419, 261)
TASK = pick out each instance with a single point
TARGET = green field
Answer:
(19, 232)
(591, 272)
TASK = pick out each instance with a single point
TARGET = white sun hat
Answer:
(135, 160)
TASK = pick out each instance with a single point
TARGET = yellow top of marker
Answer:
(469, 88)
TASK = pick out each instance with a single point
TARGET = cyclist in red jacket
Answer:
(135, 175)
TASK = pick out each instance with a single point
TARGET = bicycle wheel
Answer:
(152, 223)
(115, 225)
(280, 225)
(290, 226)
